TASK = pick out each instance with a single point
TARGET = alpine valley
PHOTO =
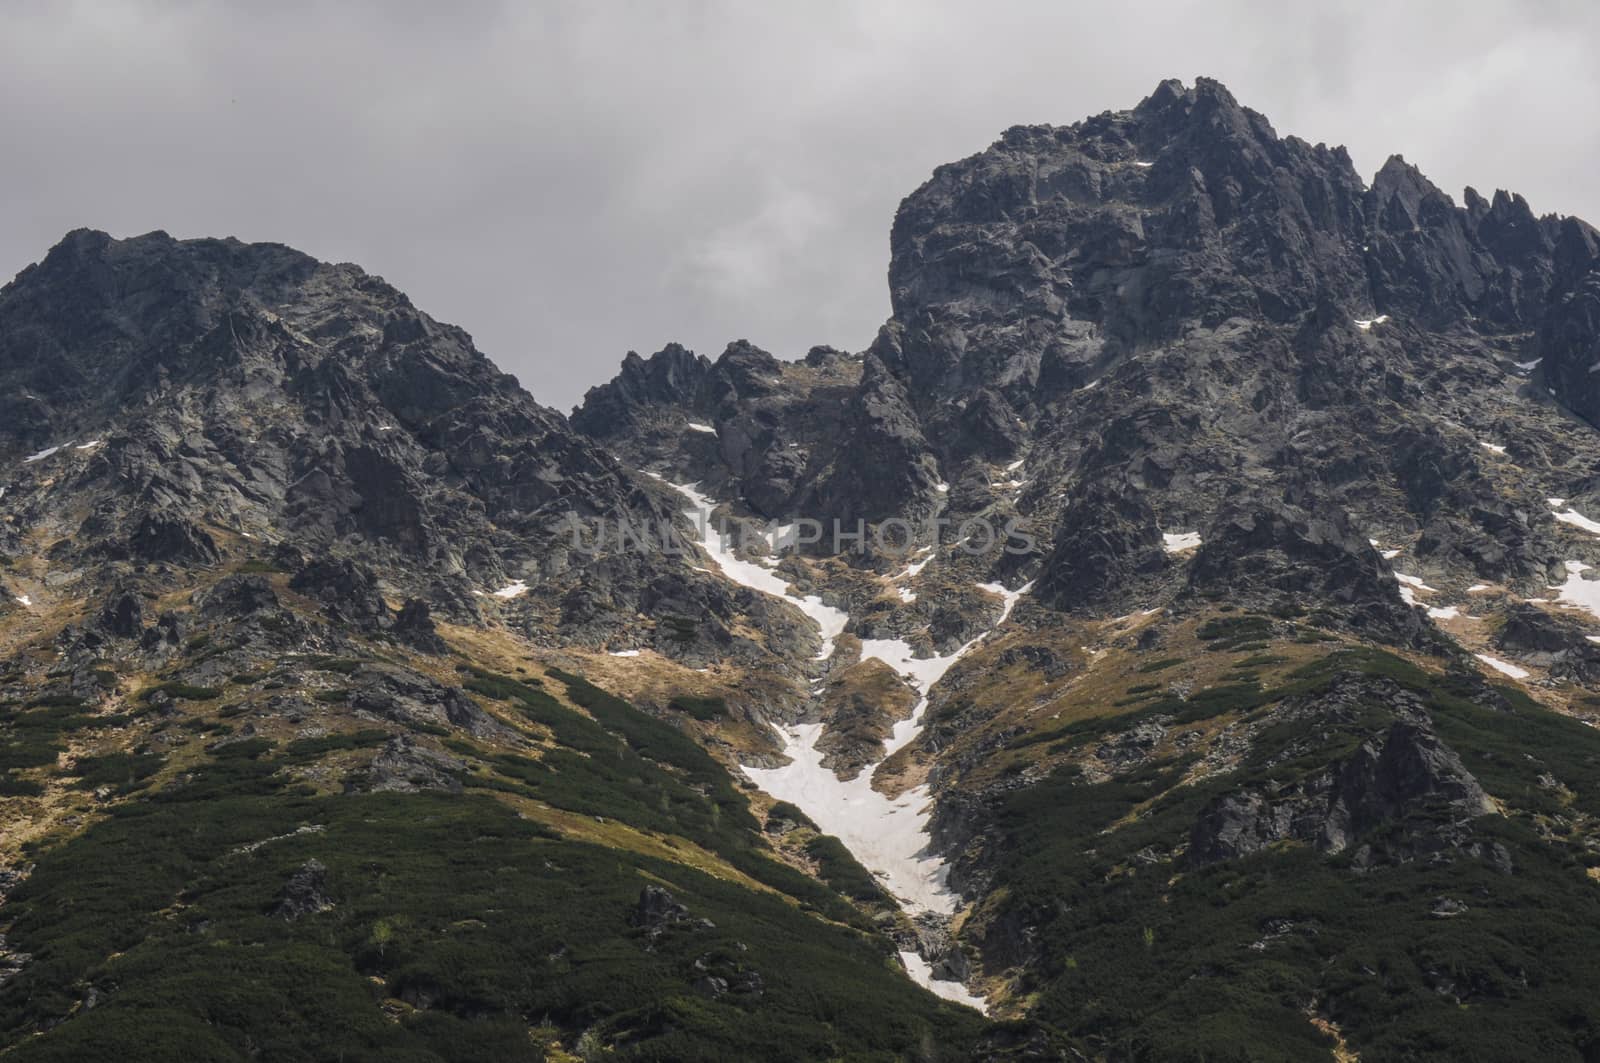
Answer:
(1209, 668)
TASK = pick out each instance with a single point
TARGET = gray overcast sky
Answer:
(568, 181)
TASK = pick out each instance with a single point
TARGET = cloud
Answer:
(568, 181)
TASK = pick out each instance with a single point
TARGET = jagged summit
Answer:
(186, 398)
(1108, 293)
(151, 311)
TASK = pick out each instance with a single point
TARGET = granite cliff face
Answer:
(1170, 634)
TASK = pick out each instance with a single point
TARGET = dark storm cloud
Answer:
(569, 181)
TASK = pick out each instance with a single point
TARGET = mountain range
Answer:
(1170, 639)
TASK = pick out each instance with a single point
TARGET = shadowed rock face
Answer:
(1384, 781)
(1569, 333)
(1270, 554)
(674, 376)
(1405, 777)
(305, 893)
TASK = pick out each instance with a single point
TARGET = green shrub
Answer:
(783, 810)
(305, 750)
(838, 867)
(121, 771)
(12, 786)
(705, 709)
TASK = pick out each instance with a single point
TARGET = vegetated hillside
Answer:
(254, 851)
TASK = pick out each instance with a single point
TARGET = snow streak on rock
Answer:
(922, 973)
(889, 835)
(1583, 593)
(1576, 519)
(1502, 666)
(756, 576)
(43, 454)
(1178, 542)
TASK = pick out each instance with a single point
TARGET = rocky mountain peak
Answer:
(673, 376)
(202, 398)
(1097, 299)
(1210, 636)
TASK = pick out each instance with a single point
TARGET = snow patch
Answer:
(1178, 542)
(1528, 367)
(1143, 165)
(90, 445)
(783, 537)
(1477, 588)
(758, 577)
(1578, 520)
(624, 653)
(1409, 585)
(888, 835)
(512, 590)
(1444, 612)
(1555, 503)
(1014, 466)
(1388, 555)
(1365, 324)
(1580, 592)
(1492, 447)
(1504, 667)
(696, 426)
(942, 487)
(915, 567)
(43, 454)
(25, 600)
(921, 971)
